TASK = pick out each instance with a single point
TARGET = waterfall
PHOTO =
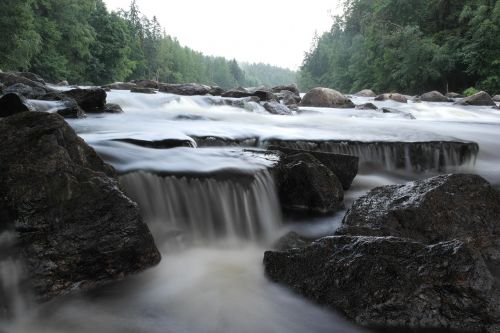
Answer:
(204, 208)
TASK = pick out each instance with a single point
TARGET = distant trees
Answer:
(411, 46)
(81, 41)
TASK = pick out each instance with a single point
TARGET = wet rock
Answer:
(274, 107)
(326, 98)
(147, 84)
(291, 88)
(158, 144)
(263, 94)
(345, 167)
(291, 240)
(63, 83)
(9, 79)
(76, 229)
(12, 103)
(405, 114)
(393, 96)
(90, 100)
(454, 95)
(2, 87)
(112, 108)
(366, 106)
(185, 89)
(433, 96)
(25, 90)
(482, 98)
(289, 99)
(454, 206)
(393, 283)
(365, 93)
(496, 98)
(70, 109)
(120, 86)
(496, 107)
(216, 91)
(30, 76)
(306, 186)
(142, 90)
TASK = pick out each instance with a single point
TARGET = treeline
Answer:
(82, 42)
(263, 74)
(410, 46)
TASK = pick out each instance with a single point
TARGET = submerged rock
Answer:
(393, 96)
(387, 282)
(12, 103)
(120, 86)
(365, 93)
(76, 229)
(147, 84)
(433, 96)
(326, 98)
(482, 98)
(70, 109)
(277, 108)
(366, 106)
(185, 89)
(112, 108)
(405, 114)
(143, 90)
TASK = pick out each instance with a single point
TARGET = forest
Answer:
(410, 46)
(82, 42)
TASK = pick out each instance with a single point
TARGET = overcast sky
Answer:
(277, 32)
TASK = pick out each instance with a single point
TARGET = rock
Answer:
(496, 98)
(394, 97)
(365, 93)
(147, 84)
(454, 206)
(345, 167)
(496, 108)
(90, 100)
(120, 86)
(141, 90)
(291, 240)
(326, 98)
(63, 83)
(30, 76)
(291, 88)
(216, 91)
(25, 90)
(405, 114)
(159, 144)
(306, 186)
(454, 95)
(433, 96)
(289, 99)
(2, 87)
(480, 99)
(112, 108)
(366, 106)
(274, 107)
(263, 94)
(70, 109)
(392, 283)
(9, 79)
(76, 229)
(185, 89)
(12, 103)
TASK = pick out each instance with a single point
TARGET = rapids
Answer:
(213, 211)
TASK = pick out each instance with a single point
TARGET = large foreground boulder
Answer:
(76, 229)
(433, 96)
(387, 282)
(326, 98)
(455, 206)
(482, 98)
(12, 103)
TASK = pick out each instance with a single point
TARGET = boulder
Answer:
(482, 98)
(9, 79)
(291, 88)
(345, 167)
(393, 283)
(25, 90)
(90, 100)
(63, 83)
(393, 96)
(404, 114)
(366, 106)
(70, 109)
(454, 95)
(216, 91)
(455, 206)
(12, 103)
(496, 98)
(274, 107)
(185, 89)
(326, 98)
(289, 99)
(147, 84)
(433, 96)
(142, 90)
(76, 230)
(262, 93)
(120, 86)
(112, 108)
(291, 240)
(30, 76)
(306, 186)
(365, 93)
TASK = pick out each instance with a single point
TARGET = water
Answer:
(213, 210)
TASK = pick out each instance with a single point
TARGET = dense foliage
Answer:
(263, 74)
(81, 41)
(410, 46)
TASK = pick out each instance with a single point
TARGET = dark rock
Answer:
(365, 93)
(9, 79)
(307, 187)
(291, 88)
(120, 86)
(158, 144)
(496, 107)
(70, 109)
(11, 104)
(216, 91)
(454, 95)
(147, 84)
(289, 99)
(326, 98)
(366, 106)
(433, 96)
(112, 108)
(2, 87)
(141, 90)
(393, 96)
(480, 99)
(26, 91)
(90, 100)
(405, 114)
(455, 206)
(291, 240)
(185, 89)
(76, 229)
(30, 76)
(276, 108)
(496, 98)
(262, 93)
(345, 167)
(387, 282)
(63, 83)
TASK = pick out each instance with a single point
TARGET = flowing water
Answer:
(212, 207)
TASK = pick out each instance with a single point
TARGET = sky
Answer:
(275, 32)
